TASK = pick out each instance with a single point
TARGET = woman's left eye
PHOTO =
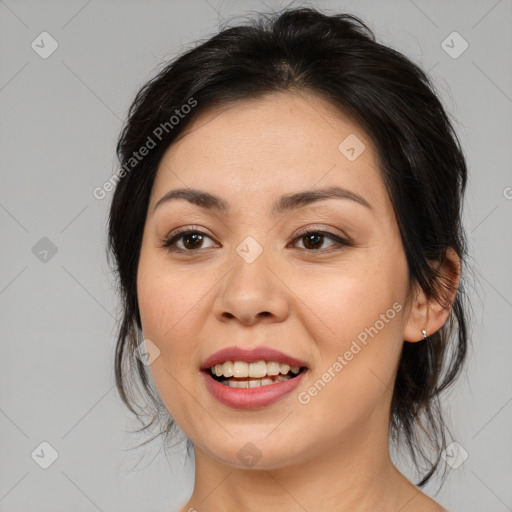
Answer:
(315, 238)
(192, 240)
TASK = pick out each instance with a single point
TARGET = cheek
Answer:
(358, 316)
(355, 373)
(168, 307)
(163, 292)
(346, 301)
(168, 304)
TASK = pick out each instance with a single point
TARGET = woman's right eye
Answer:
(192, 241)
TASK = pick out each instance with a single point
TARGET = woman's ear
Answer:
(430, 314)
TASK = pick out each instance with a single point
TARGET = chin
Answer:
(255, 451)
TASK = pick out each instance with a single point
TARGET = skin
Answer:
(331, 453)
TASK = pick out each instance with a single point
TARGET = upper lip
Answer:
(250, 355)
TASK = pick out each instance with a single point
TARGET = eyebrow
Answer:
(282, 205)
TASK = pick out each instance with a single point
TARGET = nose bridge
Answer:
(251, 288)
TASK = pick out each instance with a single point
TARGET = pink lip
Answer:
(250, 398)
(250, 356)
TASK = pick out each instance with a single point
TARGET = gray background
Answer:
(59, 121)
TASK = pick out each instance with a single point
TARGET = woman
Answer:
(287, 233)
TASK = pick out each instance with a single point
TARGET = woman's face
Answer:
(248, 281)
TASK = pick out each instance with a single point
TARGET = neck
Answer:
(355, 476)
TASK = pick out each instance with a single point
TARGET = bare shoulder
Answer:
(420, 502)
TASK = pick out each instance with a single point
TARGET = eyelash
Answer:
(170, 242)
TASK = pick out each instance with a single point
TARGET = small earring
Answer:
(424, 334)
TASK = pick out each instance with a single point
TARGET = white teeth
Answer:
(258, 370)
(254, 383)
(238, 383)
(228, 369)
(240, 369)
(273, 368)
(255, 370)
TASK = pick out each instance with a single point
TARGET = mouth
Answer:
(251, 378)
(241, 374)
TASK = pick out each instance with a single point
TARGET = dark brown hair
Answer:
(336, 58)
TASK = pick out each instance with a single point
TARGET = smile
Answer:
(240, 374)
(251, 378)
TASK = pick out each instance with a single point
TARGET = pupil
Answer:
(313, 236)
(196, 236)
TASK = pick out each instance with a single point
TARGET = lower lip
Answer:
(250, 398)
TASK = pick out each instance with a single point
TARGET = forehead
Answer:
(270, 146)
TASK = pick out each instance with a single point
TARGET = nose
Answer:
(251, 293)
